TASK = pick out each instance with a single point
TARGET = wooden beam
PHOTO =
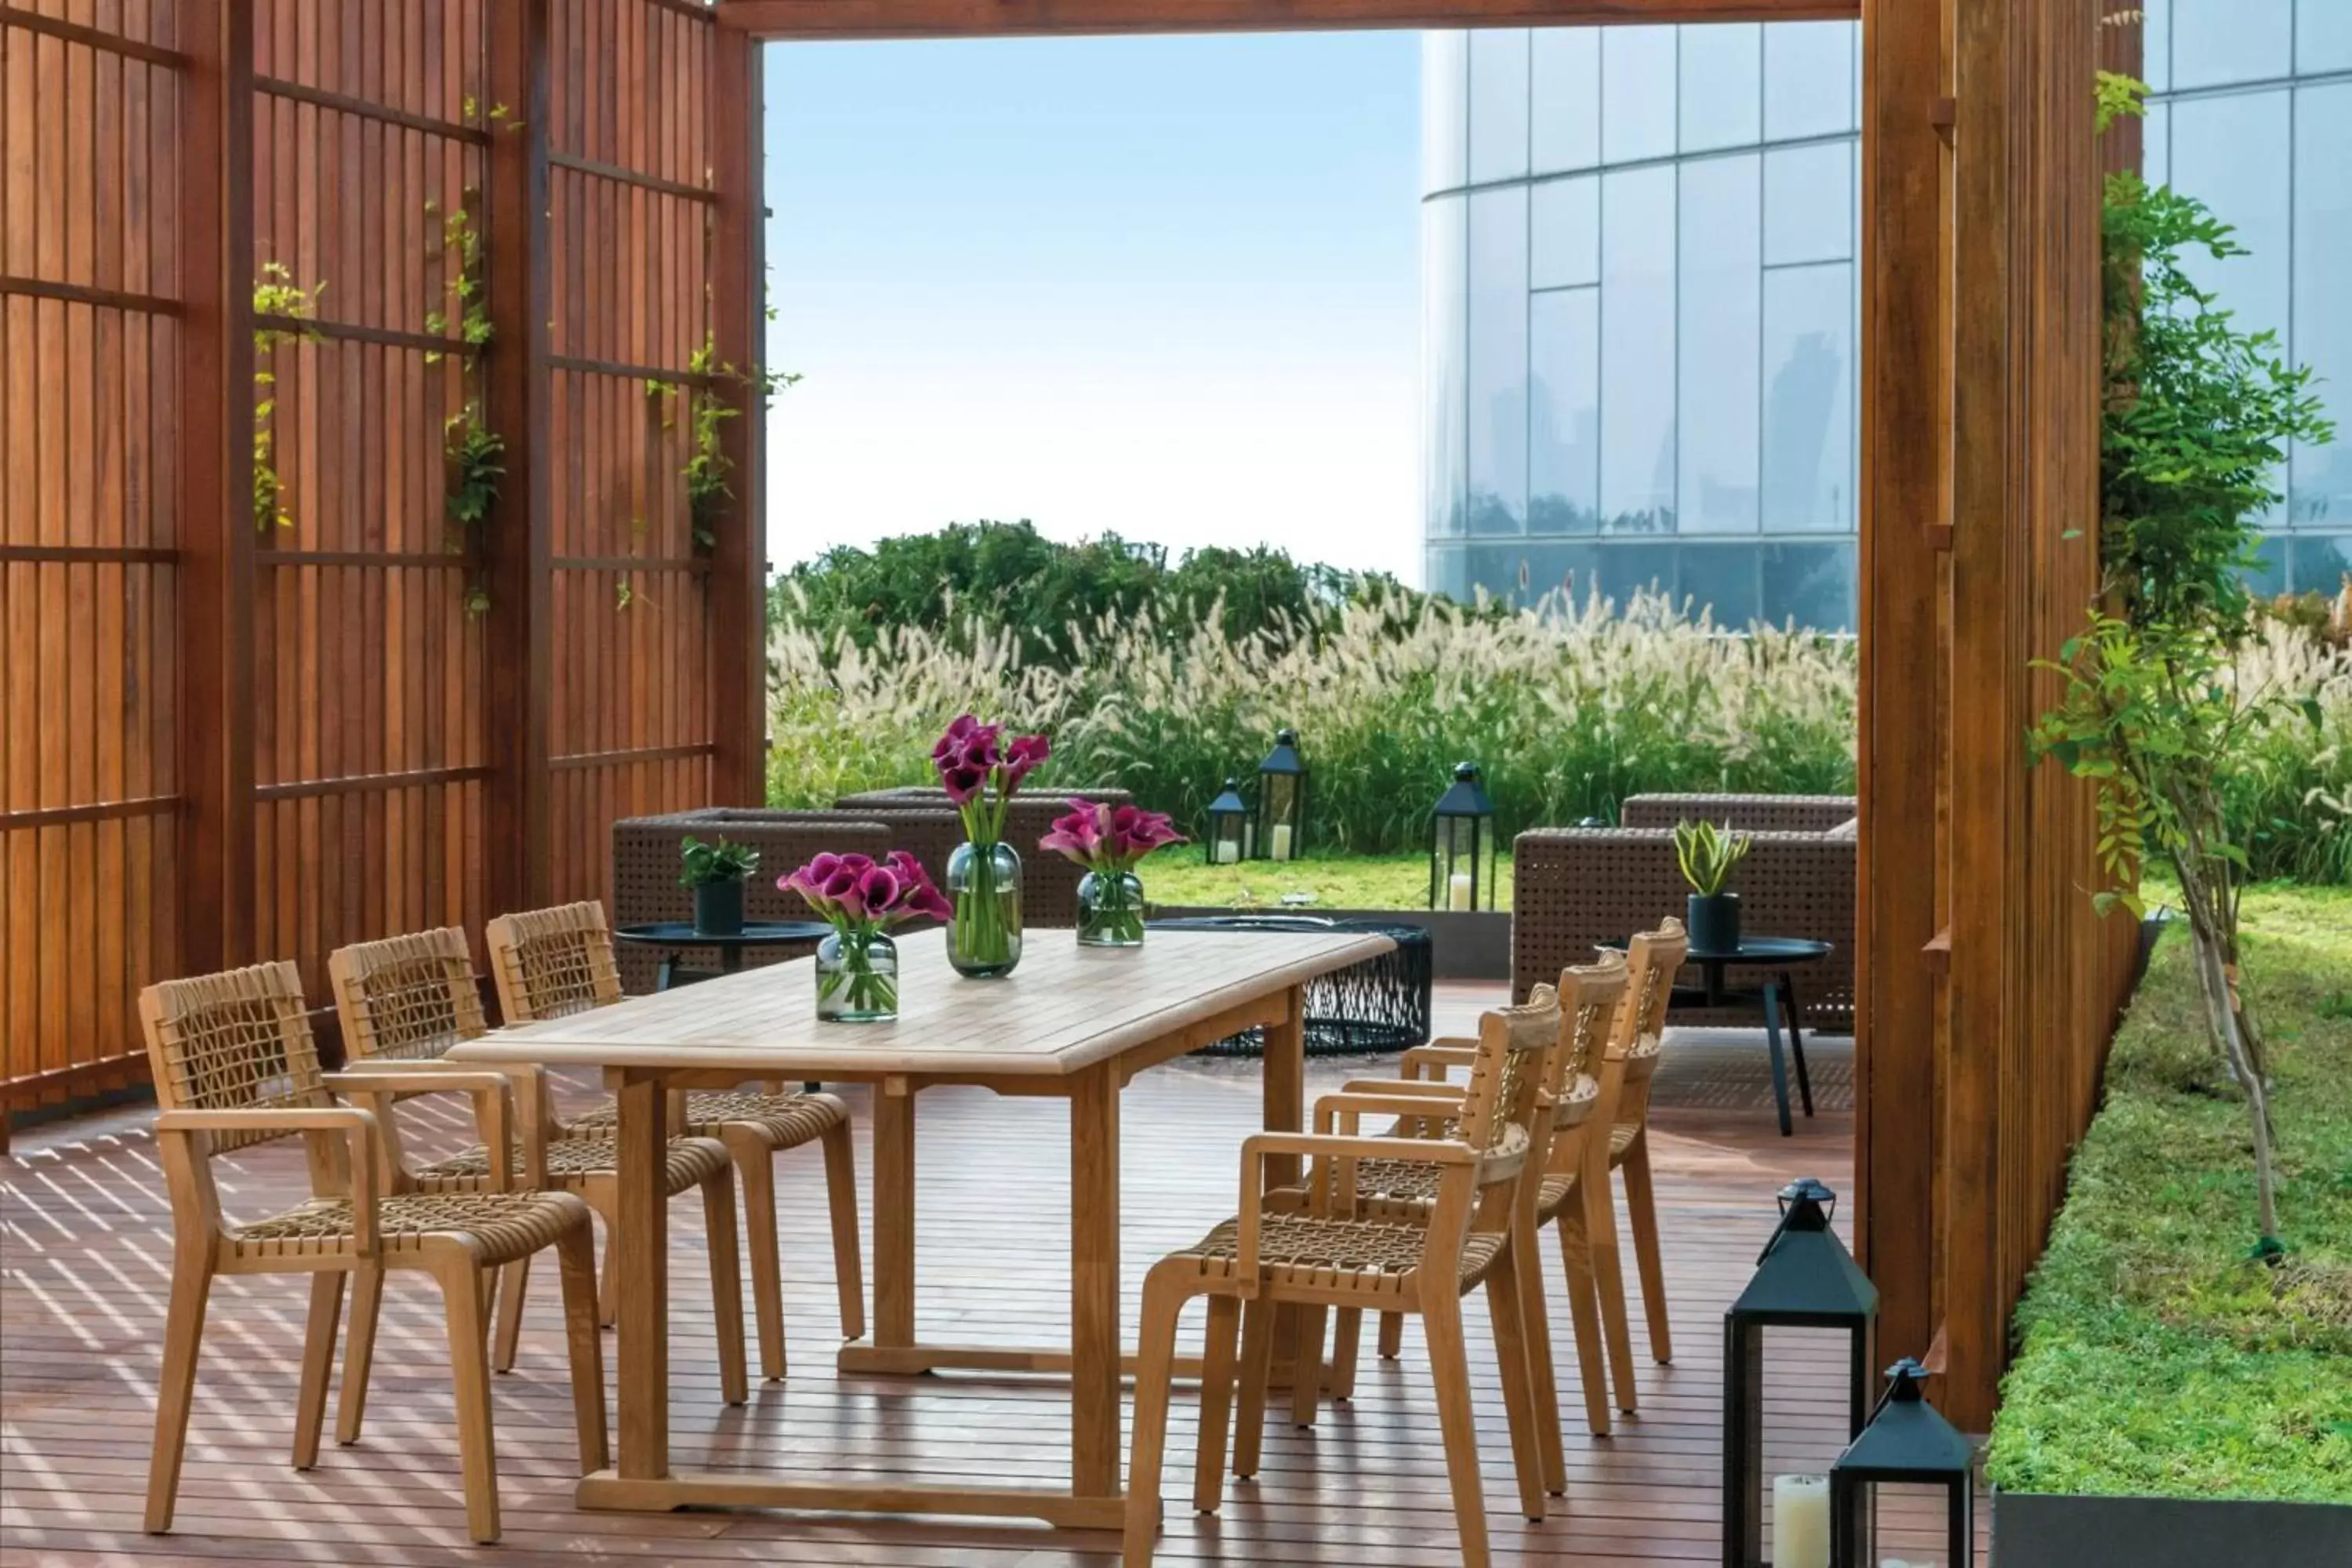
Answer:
(517, 390)
(738, 583)
(995, 18)
(215, 871)
(1904, 439)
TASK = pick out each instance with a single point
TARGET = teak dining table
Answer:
(1071, 1022)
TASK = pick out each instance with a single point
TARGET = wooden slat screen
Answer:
(344, 705)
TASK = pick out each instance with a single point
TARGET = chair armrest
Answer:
(1258, 1146)
(1441, 1055)
(1348, 1106)
(491, 1093)
(1420, 1087)
(358, 1126)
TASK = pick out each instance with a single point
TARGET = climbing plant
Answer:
(280, 307)
(709, 487)
(473, 454)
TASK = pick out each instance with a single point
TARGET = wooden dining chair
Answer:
(235, 1065)
(548, 963)
(1634, 1051)
(403, 1002)
(1327, 1255)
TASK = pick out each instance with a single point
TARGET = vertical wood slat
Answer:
(738, 294)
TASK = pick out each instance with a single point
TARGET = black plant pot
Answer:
(719, 909)
(1712, 922)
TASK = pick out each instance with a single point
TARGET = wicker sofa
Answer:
(1576, 887)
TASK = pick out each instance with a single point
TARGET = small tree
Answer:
(2198, 416)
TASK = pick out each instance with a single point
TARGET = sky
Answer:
(1168, 286)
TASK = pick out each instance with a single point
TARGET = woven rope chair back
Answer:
(1499, 1111)
(406, 996)
(550, 964)
(1655, 958)
(1590, 996)
(235, 1041)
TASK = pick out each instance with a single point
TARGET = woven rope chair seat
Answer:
(572, 1162)
(500, 1226)
(1368, 1255)
(785, 1120)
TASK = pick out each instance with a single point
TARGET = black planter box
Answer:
(2056, 1530)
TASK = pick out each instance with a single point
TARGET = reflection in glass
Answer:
(1567, 109)
(2230, 152)
(2156, 43)
(1445, 110)
(2323, 37)
(1499, 104)
(1718, 337)
(1637, 351)
(1809, 369)
(2268, 579)
(1721, 94)
(1568, 233)
(1498, 361)
(1809, 204)
(1720, 579)
(1809, 584)
(2320, 486)
(2155, 144)
(1444, 328)
(1808, 89)
(2320, 562)
(1566, 570)
(1564, 412)
(2216, 41)
(1624, 570)
(1637, 95)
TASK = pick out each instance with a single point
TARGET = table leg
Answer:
(1797, 1041)
(1780, 1068)
(730, 958)
(894, 1213)
(641, 1254)
(1286, 1083)
(666, 975)
(1094, 1283)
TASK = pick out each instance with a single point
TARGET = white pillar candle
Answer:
(1282, 841)
(1801, 1521)
(1227, 852)
(1457, 891)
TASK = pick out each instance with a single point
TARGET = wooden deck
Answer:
(86, 1236)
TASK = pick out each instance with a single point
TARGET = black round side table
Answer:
(1378, 1005)
(678, 935)
(1777, 997)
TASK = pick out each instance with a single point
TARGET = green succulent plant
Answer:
(706, 864)
(1708, 854)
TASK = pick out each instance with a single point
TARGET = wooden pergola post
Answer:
(738, 577)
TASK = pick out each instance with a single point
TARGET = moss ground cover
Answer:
(2157, 1357)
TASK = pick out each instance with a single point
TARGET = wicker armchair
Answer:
(1748, 813)
(1328, 1252)
(1578, 887)
(235, 1065)
(645, 864)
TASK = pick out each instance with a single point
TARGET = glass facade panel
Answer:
(1809, 86)
(2216, 41)
(1721, 86)
(1637, 351)
(2320, 562)
(1637, 93)
(1808, 420)
(1718, 337)
(1720, 579)
(1566, 112)
(1624, 570)
(1498, 105)
(2156, 44)
(1568, 233)
(2155, 144)
(1809, 584)
(1809, 204)
(1498, 361)
(2321, 477)
(2229, 152)
(1564, 412)
(1445, 336)
(1445, 110)
(2323, 38)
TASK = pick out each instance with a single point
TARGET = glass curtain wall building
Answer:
(1639, 315)
(2251, 113)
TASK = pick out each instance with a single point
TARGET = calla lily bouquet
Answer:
(861, 898)
(980, 771)
(1109, 842)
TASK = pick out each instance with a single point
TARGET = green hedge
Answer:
(2157, 1357)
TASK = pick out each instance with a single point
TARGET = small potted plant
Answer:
(1109, 843)
(861, 898)
(1708, 854)
(716, 873)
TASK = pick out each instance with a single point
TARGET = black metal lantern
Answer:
(1805, 1278)
(1227, 842)
(1282, 800)
(1906, 1444)
(1461, 836)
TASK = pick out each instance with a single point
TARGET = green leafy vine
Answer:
(473, 454)
(708, 471)
(278, 300)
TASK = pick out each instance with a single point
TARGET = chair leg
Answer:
(848, 1266)
(1641, 1209)
(1584, 1312)
(1218, 1362)
(1347, 1342)
(514, 1284)
(1391, 1335)
(575, 1261)
(1163, 1299)
(1306, 1374)
(726, 1284)
(1543, 1377)
(1609, 1282)
(469, 1371)
(318, 1363)
(183, 1333)
(1506, 1311)
(1449, 1366)
(1256, 1368)
(755, 1168)
(359, 1350)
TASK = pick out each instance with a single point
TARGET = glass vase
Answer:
(985, 887)
(1110, 909)
(856, 978)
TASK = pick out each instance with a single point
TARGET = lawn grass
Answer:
(1341, 882)
(2158, 1358)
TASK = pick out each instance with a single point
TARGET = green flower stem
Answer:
(980, 933)
(1115, 915)
(869, 990)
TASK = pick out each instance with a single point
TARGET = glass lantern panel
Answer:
(1797, 1367)
(1908, 1524)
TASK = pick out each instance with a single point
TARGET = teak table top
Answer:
(1066, 1009)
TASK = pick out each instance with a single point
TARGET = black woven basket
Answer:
(1378, 1006)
